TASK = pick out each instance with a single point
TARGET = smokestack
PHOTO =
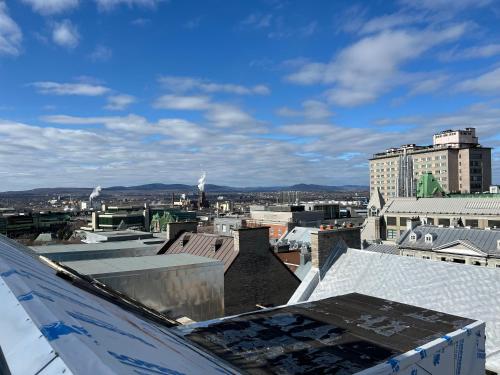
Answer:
(201, 182)
(95, 193)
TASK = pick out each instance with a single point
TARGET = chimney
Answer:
(323, 242)
(251, 240)
(412, 223)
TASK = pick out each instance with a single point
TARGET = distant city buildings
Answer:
(456, 159)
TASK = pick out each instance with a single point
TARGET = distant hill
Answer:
(210, 188)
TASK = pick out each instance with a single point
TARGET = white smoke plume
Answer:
(201, 181)
(95, 193)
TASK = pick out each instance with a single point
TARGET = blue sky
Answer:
(254, 92)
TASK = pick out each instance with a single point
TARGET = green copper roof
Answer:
(428, 186)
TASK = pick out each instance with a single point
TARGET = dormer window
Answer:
(414, 236)
(184, 240)
(430, 237)
(217, 244)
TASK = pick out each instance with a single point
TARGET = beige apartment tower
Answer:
(456, 160)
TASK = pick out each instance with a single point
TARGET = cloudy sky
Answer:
(269, 92)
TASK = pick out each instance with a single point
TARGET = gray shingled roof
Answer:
(454, 206)
(383, 248)
(481, 239)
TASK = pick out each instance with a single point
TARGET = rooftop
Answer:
(485, 241)
(203, 245)
(458, 289)
(342, 335)
(95, 267)
(132, 244)
(452, 206)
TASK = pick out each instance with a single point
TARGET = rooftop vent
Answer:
(498, 244)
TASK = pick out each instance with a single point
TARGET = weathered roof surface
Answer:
(201, 244)
(481, 239)
(302, 271)
(50, 326)
(452, 206)
(383, 248)
(340, 335)
(96, 267)
(298, 236)
(291, 259)
(456, 289)
(131, 244)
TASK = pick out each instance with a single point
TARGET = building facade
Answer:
(456, 159)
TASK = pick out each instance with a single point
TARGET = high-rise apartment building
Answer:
(456, 160)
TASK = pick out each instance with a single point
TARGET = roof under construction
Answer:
(340, 335)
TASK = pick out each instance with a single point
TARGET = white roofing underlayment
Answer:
(49, 326)
(458, 289)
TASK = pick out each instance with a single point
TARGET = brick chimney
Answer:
(323, 242)
(251, 240)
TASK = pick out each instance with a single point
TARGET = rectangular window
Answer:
(391, 220)
(403, 220)
(445, 222)
(494, 223)
(391, 234)
(430, 221)
(472, 223)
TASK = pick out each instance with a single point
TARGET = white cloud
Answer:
(311, 110)
(101, 53)
(367, 69)
(55, 88)
(182, 84)
(390, 21)
(257, 21)
(111, 4)
(218, 114)
(119, 102)
(488, 83)
(428, 85)
(65, 34)
(448, 5)
(476, 52)
(195, 103)
(51, 7)
(10, 33)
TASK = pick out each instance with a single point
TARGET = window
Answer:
(403, 220)
(391, 220)
(472, 223)
(494, 223)
(224, 227)
(443, 259)
(426, 257)
(430, 221)
(391, 234)
(445, 222)
(476, 263)
(456, 260)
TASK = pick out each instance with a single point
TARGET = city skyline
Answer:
(129, 92)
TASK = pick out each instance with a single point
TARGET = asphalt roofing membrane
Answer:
(338, 335)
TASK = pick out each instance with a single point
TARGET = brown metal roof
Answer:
(201, 244)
